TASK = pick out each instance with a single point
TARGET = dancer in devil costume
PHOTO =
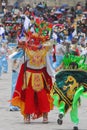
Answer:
(32, 91)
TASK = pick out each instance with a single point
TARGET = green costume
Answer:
(70, 85)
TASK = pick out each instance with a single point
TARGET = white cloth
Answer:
(84, 52)
(54, 36)
(50, 70)
(3, 3)
(2, 30)
(27, 23)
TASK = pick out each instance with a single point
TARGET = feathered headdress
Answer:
(40, 37)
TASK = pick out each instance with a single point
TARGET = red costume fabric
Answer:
(30, 95)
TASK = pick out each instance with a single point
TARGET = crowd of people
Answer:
(38, 40)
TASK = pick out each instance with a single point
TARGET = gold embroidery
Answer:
(61, 94)
(71, 90)
(26, 79)
(37, 58)
(37, 82)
